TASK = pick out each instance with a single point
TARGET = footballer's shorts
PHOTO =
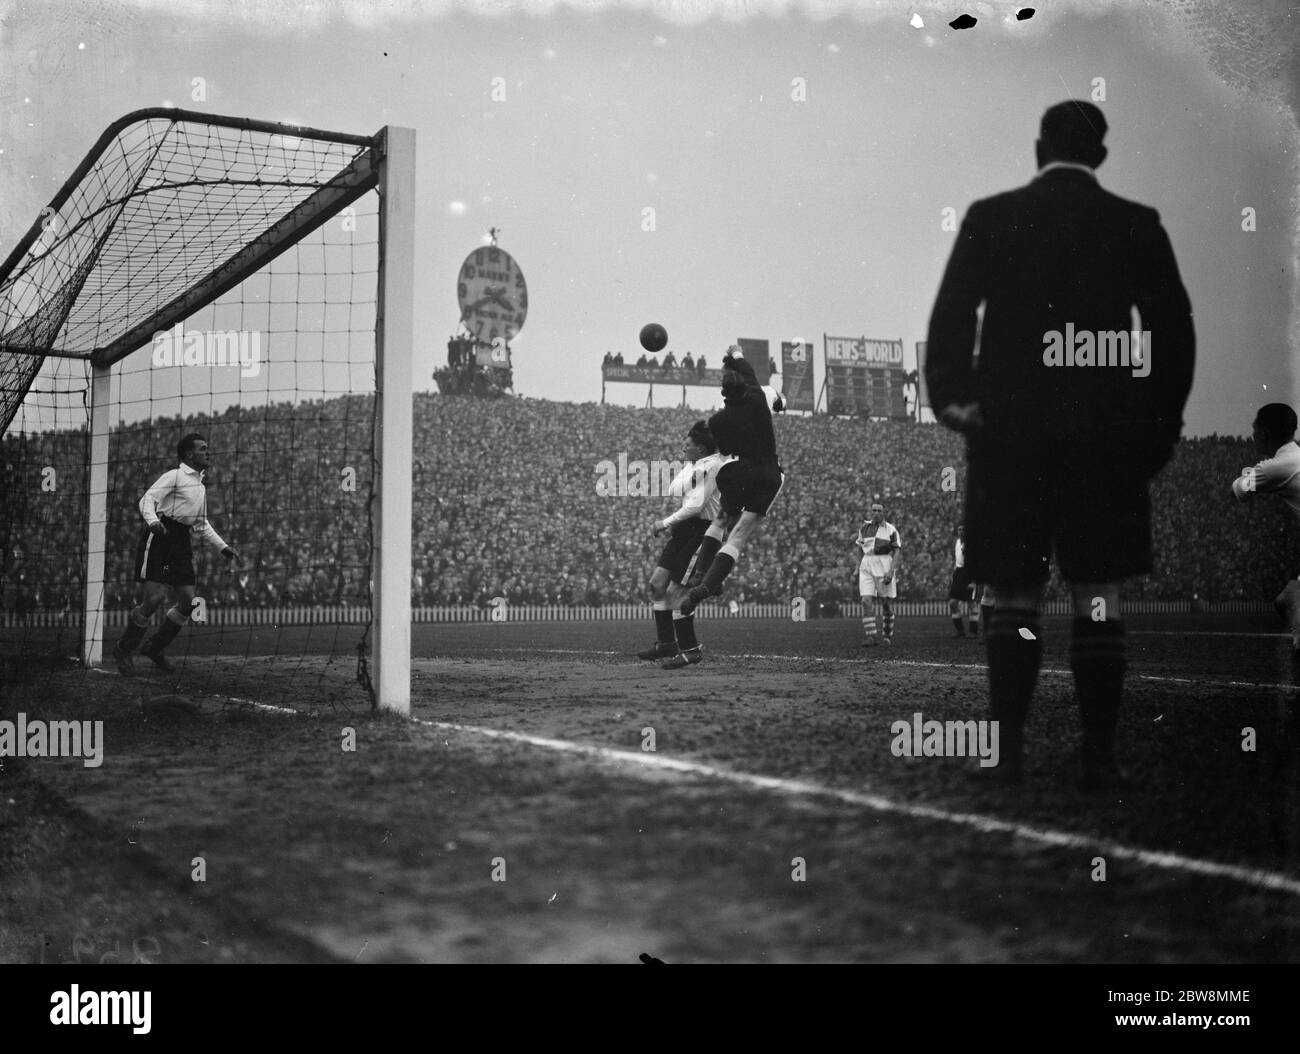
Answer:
(1088, 505)
(683, 540)
(749, 485)
(961, 587)
(166, 558)
(870, 585)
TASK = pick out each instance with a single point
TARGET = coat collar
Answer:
(1066, 166)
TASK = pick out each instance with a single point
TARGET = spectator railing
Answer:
(349, 614)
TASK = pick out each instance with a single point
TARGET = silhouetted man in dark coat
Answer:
(1068, 414)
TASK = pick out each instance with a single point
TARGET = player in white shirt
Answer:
(877, 575)
(174, 508)
(697, 482)
(1279, 473)
(961, 591)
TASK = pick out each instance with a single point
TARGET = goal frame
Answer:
(386, 165)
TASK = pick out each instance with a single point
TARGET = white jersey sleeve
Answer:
(701, 500)
(1279, 474)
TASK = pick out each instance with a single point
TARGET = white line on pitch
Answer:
(1199, 633)
(1068, 673)
(927, 665)
(235, 699)
(984, 824)
(497, 626)
(261, 706)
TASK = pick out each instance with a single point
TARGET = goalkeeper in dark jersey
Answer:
(747, 486)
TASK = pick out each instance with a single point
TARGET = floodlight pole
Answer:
(92, 627)
(394, 380)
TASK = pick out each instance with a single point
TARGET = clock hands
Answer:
(502, 301)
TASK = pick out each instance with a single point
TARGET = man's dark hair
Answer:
(700, 434)
(186, 446)
(1277, 421)
(1073, 131)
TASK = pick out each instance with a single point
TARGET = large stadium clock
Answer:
(493, 296)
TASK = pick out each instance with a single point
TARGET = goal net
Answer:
(248, 282)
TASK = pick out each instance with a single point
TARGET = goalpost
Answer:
(169, 211)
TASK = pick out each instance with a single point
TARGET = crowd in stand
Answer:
(542, 503)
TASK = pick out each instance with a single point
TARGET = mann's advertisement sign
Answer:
(797, 374)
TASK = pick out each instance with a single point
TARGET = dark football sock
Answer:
(960, 624)
(134, 634)
(664, 626)
(1013, 673)
(708, 549)
(685, 627)
(986, 613)
(1098, 661)
(165, 634)
(718, 571)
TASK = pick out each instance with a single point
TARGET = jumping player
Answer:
(173, 508)
(961, 591)
(1279, 473)
(698, 484)
(747, 485)
(877, 582)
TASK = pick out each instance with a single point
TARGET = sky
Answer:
(798, 160)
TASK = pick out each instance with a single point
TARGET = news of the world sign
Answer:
(859, 351)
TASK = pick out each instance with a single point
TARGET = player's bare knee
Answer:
(154, 594)
(744, 529)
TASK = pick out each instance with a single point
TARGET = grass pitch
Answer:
(519, 816)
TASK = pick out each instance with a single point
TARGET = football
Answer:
(654, 337)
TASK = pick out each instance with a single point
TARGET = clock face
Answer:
(492, 294)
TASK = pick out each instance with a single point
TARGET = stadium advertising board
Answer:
(759, 354)
(797, 374)
(865, 377)
(655, 374)
(859, 351)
